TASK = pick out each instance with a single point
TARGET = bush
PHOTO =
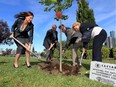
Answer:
(67, 54)
(105, 52)
(56, 53)
(89, 54)
(114, 52)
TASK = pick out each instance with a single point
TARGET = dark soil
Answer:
(53, 68)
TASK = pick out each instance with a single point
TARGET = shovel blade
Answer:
(46, 54)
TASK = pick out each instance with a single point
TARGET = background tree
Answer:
(4, 33)
(84, 13)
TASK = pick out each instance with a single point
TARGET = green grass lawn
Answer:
(34, 77)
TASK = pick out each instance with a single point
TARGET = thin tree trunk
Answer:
(60, 47)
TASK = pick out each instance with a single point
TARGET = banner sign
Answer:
(103, 72)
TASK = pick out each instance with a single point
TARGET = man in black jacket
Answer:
(51, 38)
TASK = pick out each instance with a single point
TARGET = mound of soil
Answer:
(53, 68)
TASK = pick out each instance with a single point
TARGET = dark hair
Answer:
(24, 14)
(61, 26)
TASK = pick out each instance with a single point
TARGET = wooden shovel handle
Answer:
(51, 46)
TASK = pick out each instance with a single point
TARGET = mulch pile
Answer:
(53, 68)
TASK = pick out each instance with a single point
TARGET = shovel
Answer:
(26, 48)
(81, 58)
(47, 52)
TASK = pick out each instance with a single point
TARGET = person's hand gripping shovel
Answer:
(27, 48)
(47, 52)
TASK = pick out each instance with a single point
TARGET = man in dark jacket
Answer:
(51, 38)
(72, 38)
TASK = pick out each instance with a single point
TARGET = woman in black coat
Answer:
(22, 30)
(88, 31)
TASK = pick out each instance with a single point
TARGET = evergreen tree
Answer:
(84, 13)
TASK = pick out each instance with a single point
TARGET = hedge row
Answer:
(67, 54)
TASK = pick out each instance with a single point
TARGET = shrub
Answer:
(89, 54)
(105, 52)
(114, 52)
(67, 54)
(56, 53)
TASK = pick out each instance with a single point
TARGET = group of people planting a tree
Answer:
(80, 33)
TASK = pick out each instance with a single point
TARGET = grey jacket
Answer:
(71, 38)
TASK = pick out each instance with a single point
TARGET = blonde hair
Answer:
(75, 24)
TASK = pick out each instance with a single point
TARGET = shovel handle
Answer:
(21, 43)
(51, 46)
(26, 47)
(81, 58)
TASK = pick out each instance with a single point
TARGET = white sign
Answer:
(103, 72)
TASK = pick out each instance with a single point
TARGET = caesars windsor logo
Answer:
(106, 66)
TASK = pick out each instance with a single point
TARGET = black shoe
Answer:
(29, 66)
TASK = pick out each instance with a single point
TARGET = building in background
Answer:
(111, 40)
(108, 42)
(112, 34)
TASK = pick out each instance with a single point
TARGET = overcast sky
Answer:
(104, 12)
